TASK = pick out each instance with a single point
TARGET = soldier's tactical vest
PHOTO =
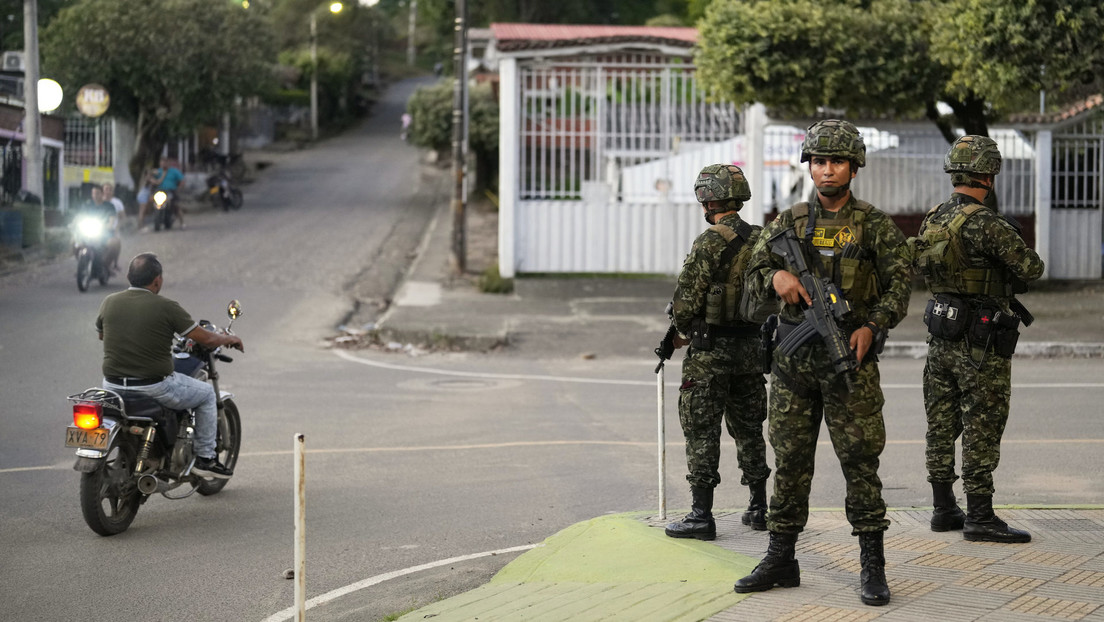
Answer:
(722, 301)
(941, 258)
(839, 245)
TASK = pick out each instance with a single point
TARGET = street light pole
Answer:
(335, 7)
(314, 76)
(32, 127)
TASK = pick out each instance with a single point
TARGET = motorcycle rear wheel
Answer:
(227, 447)
(109, 497)
(84, 271)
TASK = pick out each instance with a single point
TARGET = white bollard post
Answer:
(662, 450)
(300, 529)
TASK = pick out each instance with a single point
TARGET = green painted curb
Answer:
(608, 567)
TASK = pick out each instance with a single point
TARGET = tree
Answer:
(1007, 51)
(169, 66)
(895, 57)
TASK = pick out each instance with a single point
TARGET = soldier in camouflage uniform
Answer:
(722, 377)
(865, 254)
(973, 261)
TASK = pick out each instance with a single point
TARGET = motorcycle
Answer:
(129, 447)
(164, 204)
(89, 243)
(223, 194)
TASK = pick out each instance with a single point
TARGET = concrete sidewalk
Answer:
(623, 567)
(565, 316)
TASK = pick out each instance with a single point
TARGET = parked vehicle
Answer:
(222, 191)
(129, 447)
(164, 206)
(90, 236)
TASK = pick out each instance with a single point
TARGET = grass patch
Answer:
(491, 282)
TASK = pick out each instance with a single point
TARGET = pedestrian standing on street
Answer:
(722, 376)
(974, 261)
(120, 214)
(863, 253)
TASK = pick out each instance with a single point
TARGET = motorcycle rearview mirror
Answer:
(234, 310)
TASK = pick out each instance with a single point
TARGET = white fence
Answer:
(599, 158)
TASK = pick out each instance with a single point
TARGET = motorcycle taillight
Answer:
(87, 416)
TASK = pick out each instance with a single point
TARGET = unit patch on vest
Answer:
(844, 236)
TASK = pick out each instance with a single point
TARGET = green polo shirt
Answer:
(137, 327)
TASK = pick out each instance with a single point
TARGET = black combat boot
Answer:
(699, 522)
(756, 513)
(947, 516)
(873, 588)
(778, 568)
(982, 525)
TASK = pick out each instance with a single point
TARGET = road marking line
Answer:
(290, 612)
(345, 354)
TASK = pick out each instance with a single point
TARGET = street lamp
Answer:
(334, 8)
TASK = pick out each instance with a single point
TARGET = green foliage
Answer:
(1006, 51)
(799, 55)
(430, 108)
(168, 65)
(899, 57)
(491, 282)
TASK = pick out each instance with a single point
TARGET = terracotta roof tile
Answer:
(536, 36)
(1073, 110)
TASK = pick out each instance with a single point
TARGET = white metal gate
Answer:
(1077, 201)
(607, 157)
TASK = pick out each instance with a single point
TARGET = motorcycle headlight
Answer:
(160, 197)
(90, 227)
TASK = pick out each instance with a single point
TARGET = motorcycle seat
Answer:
(142, 406)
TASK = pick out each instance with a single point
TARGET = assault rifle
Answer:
(821, 317)
(666, 347)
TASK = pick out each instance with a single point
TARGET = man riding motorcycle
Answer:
(97, 207)
(137, 327)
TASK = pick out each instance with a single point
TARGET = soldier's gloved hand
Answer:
(680, 341)
(789, 288)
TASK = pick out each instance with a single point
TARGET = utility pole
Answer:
(32, 126)
(410, 33)
(458, 256)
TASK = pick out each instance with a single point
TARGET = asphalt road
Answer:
(410, 460)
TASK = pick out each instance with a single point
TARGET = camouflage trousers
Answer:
(961, 400)
(724, 383)
(804, 389)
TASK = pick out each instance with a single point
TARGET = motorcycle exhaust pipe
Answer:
(149, 484)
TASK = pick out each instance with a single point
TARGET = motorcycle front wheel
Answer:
(236, 199)
(84, 271)
(227, 446)
(109, 497)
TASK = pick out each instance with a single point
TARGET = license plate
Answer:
(86, 439)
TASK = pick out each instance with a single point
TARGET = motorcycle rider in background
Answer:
(98, 207)
(168, 178)
(137, 327)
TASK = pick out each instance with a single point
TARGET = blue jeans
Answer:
(180, 392)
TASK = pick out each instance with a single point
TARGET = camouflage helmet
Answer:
(721, 182)
(834, 138)
(973, 154)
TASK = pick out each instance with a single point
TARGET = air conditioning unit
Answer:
(12, 61)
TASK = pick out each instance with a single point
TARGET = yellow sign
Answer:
(819, 240)
(93, 100)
